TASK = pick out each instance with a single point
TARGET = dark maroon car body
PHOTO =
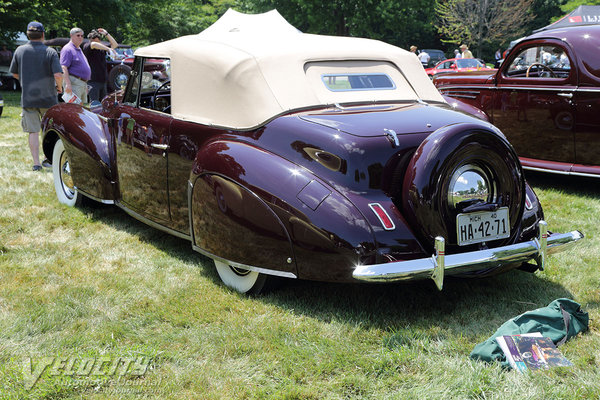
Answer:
(359, 191)
(552, 121)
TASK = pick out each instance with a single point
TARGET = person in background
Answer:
(413, 49)
(424, 58)
(497, 58)
(37, 68)
(466, 53)
(75, 66)
(5, 55)
(457, 53)
(95, 53)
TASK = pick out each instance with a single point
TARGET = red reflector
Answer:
(384, 218)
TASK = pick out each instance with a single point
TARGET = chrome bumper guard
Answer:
(439, 264)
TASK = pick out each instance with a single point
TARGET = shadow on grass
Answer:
(465, 307)
(576, 185)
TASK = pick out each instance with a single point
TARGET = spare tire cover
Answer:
(445, 154)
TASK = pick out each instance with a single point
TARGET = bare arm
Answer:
(58, 78)
(99, 46)
(66, 79)
(16, 76)
(113, 42)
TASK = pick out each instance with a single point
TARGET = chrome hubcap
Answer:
(469, 182)
(65, 176)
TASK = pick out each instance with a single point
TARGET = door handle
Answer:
(159, 146)
(567, 95)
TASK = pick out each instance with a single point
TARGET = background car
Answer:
(283, 154)
(544, 98)
(452, 65)
(435, 56)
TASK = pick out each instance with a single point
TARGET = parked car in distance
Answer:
(279, 153)
(453, 65)
(435, 56)
(544, 98)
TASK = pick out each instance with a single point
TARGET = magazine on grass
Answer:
(531, 352)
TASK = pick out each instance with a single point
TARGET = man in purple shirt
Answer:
(75, 66)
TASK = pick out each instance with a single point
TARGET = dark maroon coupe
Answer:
(545, 98)
(278, 153)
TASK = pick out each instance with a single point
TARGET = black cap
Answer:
(35, 26)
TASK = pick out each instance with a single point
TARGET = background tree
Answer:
(152, 21)
(399, 22)
(573, 4)
(546, 11)
(476, 22)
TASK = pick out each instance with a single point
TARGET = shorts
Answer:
(31, 119)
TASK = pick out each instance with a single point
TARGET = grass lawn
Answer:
(93, 283)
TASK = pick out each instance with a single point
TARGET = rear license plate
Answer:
(482, 226)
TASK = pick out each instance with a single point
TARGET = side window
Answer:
(155, 89)
(540, 61)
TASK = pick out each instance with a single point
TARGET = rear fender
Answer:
(259, 210)
(88, 144)
(466, 108)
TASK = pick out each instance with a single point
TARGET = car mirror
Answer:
(453, 66)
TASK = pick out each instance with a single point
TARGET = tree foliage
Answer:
(573, 4)
(479, 21)
(400, 22)
(136, 22)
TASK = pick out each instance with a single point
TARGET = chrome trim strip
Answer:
(467, 262)
(94, 197)
(244, 266)
(460, 96)
(151, 223)
(552, 171)
(443, 89)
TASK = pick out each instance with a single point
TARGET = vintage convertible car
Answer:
(544, 98)
(278, 153)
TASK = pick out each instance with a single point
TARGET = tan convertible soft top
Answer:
(246, 69)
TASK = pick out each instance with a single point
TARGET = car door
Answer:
(533, 101)
(587, 133)
(143, 132)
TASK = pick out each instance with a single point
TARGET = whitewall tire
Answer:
(63, 182)
(241, 280)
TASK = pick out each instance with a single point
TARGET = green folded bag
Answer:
(560, 320)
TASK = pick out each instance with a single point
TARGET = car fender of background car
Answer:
(544, 97)
(283, 154)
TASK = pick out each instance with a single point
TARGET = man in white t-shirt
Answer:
(424, 58)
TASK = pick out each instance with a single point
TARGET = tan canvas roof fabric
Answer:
(246, 69)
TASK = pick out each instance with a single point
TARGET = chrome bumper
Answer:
(439, 264)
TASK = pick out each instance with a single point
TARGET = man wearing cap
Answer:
(37, 68)
(75, 66)
(466, 53)
(95, 52)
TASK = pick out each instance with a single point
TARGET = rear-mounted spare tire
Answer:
(454, 153)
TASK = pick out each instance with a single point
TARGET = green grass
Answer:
(93, 282)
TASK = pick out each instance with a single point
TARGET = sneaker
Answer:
(37, 167)
(46, 163)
